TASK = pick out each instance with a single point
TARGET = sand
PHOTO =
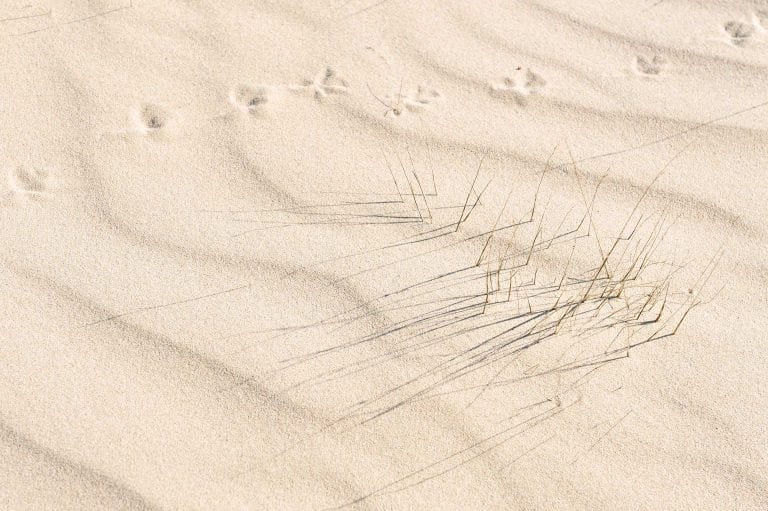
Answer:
(360, 254)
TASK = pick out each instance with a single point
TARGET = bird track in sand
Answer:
(26, 183)
(520, 86)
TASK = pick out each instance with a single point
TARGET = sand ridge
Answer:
(362, 254)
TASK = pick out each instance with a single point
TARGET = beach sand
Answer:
(361, 254)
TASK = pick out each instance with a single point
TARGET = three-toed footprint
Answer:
(520, 87)
(26, 183)
(650, 66)
(326, 83)
(739, 33)
(760, 20)
(150, 117)
(250, 99)
(414, 102)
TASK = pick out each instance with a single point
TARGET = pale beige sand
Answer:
(197, 311)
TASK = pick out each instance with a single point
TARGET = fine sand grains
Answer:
(361, 254)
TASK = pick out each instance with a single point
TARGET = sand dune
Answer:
(383, 255)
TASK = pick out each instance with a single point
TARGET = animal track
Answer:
(27, 183)
(520, 88)
(327, 82)
(151, 117)
(739, 32)
(250, 98)
(414, 102)
(760, 19)
(653, 66)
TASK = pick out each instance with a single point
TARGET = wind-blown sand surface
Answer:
(383, 254)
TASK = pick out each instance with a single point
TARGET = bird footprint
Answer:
(653, 66)
(149, 117)
(27, 183)
(760, 20)
(326, 83)
(251, 99)
(521, 87)
(738, 32)
(414, 102)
